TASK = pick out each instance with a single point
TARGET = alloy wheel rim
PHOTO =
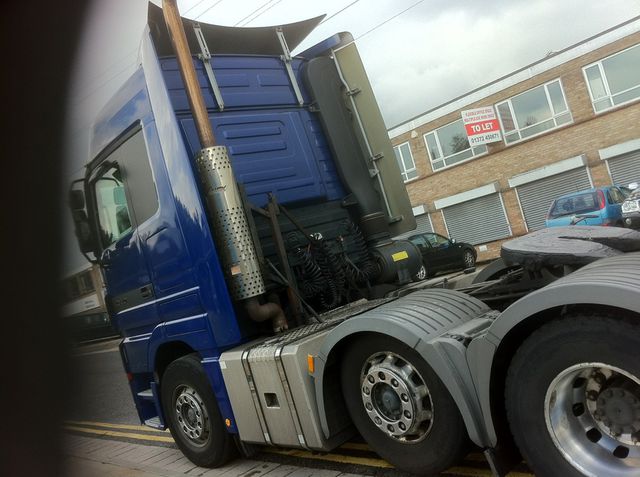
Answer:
(191, 416)
(468, 259)
(592, 413)
(396, 398)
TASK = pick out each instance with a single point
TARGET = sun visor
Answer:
(230, 40)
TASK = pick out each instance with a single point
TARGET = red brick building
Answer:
(568, 122)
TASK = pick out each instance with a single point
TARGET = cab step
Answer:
(155, 423)
(146, 394)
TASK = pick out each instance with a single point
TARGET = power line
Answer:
(273, 4)
(214, 4)
(338, 12)
(127, 56)
(388, 20)
(191, 8)
(75, 102)
(262, 13)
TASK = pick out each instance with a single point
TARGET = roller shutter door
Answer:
(625, 168)
(536, 197)
(478, 220)
(424, 226)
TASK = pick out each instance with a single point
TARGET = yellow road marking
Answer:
(115, 426)
(130, 435)
(344, 459)
(371, 462)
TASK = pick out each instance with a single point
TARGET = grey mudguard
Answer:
(432, 322)
(613, 282)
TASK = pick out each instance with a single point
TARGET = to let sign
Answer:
(482, 125)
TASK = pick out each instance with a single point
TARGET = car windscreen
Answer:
(576, 204)
(635, 194)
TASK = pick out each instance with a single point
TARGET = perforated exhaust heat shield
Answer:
(229, 222)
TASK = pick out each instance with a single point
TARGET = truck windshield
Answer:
(576, 204)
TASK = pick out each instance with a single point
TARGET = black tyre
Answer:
(468, 259)
(401, 407)
(192, 414)
(421, 275)
(573, 398)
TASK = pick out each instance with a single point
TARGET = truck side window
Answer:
(138, 177)
(113, 213)
(128, 169)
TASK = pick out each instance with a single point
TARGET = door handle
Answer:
(145, 291)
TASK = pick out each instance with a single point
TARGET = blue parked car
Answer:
(598, 206)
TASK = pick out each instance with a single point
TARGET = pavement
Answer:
(92, 456)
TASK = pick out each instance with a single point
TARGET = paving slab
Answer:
(103, 457)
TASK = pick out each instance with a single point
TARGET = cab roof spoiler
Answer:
(230, 40)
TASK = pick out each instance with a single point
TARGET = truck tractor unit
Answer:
(242, 204)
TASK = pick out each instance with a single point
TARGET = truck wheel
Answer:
(573, 398)
(192, 414)
(400, 406)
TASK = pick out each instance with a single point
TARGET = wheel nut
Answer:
(407, 414)
(378, 421)
(404, 397)
(402, 426)
(370, 379)
(369, 406)
(394, 383)
(599, 377)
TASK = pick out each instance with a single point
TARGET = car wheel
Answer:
(573, 398)
(192, 414)
(421, 275)
(400, 406)
(468, 259)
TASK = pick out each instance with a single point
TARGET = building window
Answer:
(85, 283)
(405, 162)
(449, 145)
(533, 112)
(614, 80)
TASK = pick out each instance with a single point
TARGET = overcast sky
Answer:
(418, 53)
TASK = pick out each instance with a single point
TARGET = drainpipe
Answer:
(227, 217)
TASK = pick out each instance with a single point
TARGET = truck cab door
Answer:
(130, 294)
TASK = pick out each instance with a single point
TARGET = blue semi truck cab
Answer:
(262, 299)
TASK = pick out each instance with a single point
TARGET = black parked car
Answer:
(440, 254)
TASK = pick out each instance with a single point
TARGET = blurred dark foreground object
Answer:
(39, 41)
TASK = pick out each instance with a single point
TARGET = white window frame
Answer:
(444, 158)
(554, 115)
(403, 171)
(605, 82)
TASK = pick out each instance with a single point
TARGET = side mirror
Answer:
(76, 199)
(85, 237)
